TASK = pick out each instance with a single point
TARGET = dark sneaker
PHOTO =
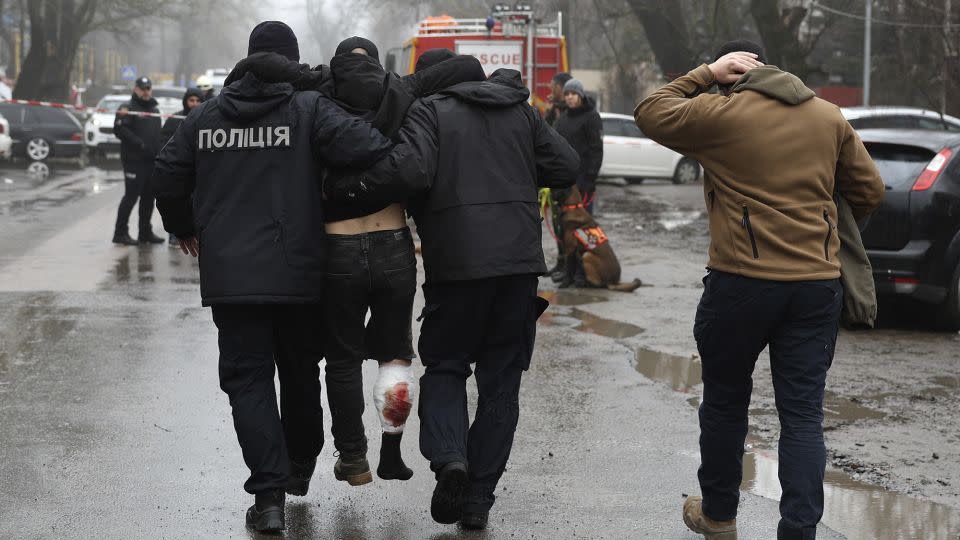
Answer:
(391, 465)
(150, 238)
(300, 474)
(266, 514)
(353, 469)
(124, 240)
(474, 521)
(447, 502)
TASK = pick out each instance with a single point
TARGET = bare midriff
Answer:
(388, 219)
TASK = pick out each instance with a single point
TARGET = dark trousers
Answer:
(490, 322)
(737, 318)
(377, 272)
(136, 185)
(253, 339)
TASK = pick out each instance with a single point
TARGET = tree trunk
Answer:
(55, 34)
(779, 30)
(666, 28)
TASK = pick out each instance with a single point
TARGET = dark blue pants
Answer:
(490, 323)
(737, 318)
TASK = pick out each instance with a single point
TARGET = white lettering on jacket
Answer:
(251, 138)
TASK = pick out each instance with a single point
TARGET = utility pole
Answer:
(867, 27)
(945, 75)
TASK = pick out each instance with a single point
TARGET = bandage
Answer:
(393, 396)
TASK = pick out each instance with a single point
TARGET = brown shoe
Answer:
(353, 469)
(699, 523)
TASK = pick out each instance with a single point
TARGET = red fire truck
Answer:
(509, 38)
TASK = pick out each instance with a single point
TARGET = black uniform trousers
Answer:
(490, 322)
(253, 339)
(737, 318)
(136, 185)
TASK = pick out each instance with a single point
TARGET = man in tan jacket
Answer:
(773, 155)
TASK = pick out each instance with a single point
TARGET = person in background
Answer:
(580, 125)
(205, 84)
(139, 143)
(557, 105)
(191, 98)
(774, 156)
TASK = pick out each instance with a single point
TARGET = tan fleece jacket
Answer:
(773, 155)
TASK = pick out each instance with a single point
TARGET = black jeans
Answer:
(737, 318)
(490, 322)
(136, 184)
(254, 338)
(375, 271)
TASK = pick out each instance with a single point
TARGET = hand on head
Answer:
(730, 67)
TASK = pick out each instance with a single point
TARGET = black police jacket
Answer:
(139, 135)
(476, 152)
(583, 129)
(252, 158)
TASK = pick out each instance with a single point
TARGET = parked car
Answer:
(42, 132)
(98, 134)
(630, 154)
(913, 239)
(6, 143)
(899, 118)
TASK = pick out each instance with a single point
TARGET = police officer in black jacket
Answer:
(476, 152)
(139, 143)
(251, 158)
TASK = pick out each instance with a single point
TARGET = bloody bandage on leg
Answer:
(393, 395)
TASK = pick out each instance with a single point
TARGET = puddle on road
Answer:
(857, 509)
(571, 297)
(580, 320)
(676, 219)
(854, 508)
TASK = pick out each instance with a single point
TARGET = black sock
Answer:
(391, 465)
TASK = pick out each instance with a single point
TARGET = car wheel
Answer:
(634, 180)
(38, 149)
(687, 172)
(950, 310)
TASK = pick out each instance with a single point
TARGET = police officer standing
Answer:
(139, 143)
(239, 184)
(482, 252)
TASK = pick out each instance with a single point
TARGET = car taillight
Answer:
(76, 137)
(929, 175)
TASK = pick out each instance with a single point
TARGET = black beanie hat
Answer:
(742, 45)
(274, 36)
(432, 58)
(357, 42)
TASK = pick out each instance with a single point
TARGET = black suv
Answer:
(913, 239)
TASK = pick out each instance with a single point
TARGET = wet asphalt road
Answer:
(113, 425)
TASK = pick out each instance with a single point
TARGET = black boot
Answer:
(391, 465)
(300, 474)
(266, 514)
(123, 238)
(447, 502)
(474, 521)
(353, 468)
(149, 238)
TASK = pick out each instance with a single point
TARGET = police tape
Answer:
(36, 103)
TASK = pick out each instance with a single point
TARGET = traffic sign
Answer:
(128, 73)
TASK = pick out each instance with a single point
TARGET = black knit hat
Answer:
(357, 42)
(742, 45)
(274, 36)
(432, 58)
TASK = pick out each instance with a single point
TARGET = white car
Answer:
(899, 118)
(629, 154)
(6, 143)
(98, 134)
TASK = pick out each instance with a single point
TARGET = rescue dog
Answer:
(590, 261)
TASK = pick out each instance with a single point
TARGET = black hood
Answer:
(145, 102)
(250, 98)
(359, 81)
(270, 67)
(445, 74)
(589, 104)
(504, 88)
(193, 91)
